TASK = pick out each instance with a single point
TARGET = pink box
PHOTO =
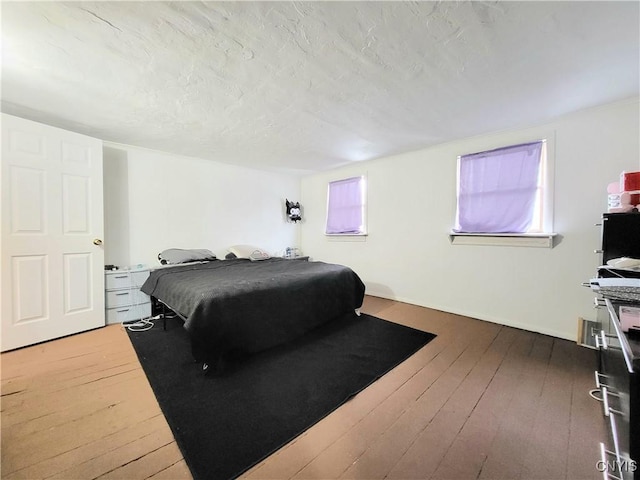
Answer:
(629, 317)
(630, 181)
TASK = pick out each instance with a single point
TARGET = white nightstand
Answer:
(124, 300)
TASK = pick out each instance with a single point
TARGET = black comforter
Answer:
(240, 306)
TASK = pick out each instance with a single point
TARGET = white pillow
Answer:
(249, 251)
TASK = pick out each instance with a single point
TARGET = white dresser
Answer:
(124, 300)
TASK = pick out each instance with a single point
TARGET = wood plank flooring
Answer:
(480, 401)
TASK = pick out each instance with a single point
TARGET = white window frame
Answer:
(543, 236)
(364, 232)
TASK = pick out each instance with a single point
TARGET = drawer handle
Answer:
(605, 403)
(605, 464)
(121, 294)
(599, 375)
(621, 463)
(613, 411)
(601, 341)
(594, 393)
(122, 311)
(613, 469)
(121, 276)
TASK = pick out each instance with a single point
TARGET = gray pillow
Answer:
(178, 255)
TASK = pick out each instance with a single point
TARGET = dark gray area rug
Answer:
(227, 423)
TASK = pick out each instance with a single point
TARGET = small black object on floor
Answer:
(227, 423)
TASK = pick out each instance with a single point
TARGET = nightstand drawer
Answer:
(128, 314)
(125, 279)
(120, 298)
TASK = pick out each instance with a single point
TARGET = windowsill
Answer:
(537, 240)
(346, 237)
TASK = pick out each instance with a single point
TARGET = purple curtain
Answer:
(345, 206)
(497, 189)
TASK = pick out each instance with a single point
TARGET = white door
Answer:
(52, 272)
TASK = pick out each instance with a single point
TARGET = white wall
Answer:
(155, 201)
(407, 255)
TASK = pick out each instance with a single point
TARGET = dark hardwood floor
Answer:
(480, 401)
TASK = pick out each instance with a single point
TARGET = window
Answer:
(346, 201)
(503, 191)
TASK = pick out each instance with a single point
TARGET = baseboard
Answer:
(477, 316)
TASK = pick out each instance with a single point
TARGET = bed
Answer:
(238, 306)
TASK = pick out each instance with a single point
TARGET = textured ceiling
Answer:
(307, 86)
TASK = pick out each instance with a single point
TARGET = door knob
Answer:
(97, 241)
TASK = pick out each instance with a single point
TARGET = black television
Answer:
(620, 236)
